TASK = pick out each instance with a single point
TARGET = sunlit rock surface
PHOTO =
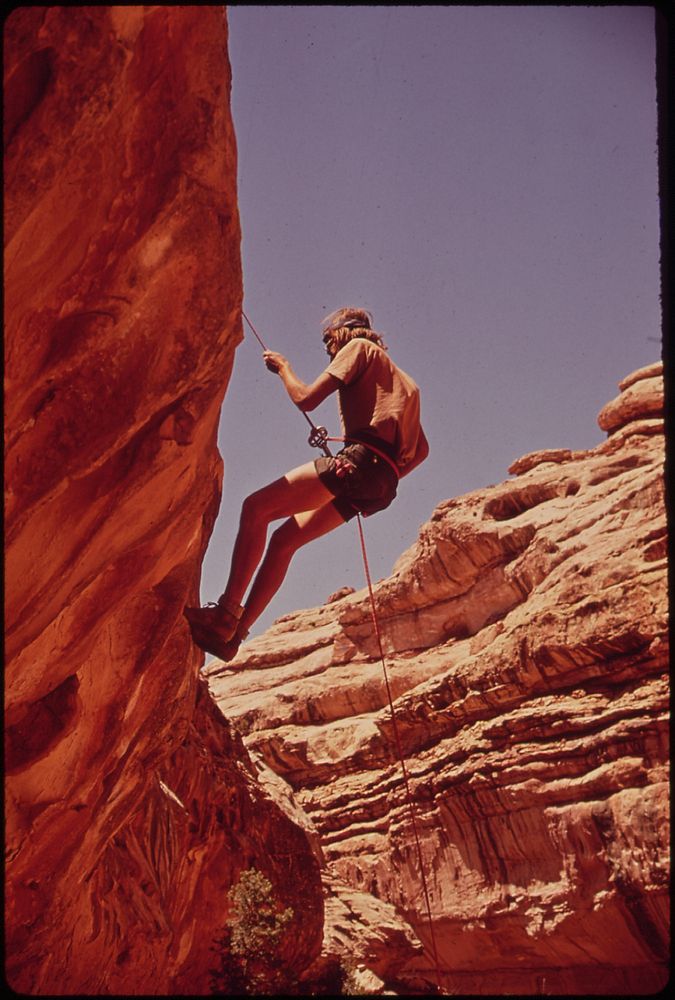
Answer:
(131, 807)
(526, 642)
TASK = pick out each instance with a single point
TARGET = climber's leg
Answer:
(284, 543)
(299, 490)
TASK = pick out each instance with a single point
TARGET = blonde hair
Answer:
(348, 323)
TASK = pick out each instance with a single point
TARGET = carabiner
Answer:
(318, 437)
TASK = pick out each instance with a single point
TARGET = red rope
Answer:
(400, 754)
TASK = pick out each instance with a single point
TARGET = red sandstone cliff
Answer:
(526, 644)
(131, 807)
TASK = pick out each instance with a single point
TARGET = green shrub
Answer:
(249, 947)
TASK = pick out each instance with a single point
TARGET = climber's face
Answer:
(330, 343)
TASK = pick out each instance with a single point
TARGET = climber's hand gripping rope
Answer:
(273, 361)
(318, 437)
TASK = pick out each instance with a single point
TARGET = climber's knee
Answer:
(259, 507)
(286, 539)
(250, 508)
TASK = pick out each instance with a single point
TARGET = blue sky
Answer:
(484, 181)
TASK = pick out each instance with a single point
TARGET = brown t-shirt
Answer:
(377, 397)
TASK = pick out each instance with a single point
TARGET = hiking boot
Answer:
(211, 642)
(229, 650)
(214, 624)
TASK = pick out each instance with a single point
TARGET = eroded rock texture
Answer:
(131, 807)
(526, 644)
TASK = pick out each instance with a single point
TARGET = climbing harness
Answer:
(319, 438)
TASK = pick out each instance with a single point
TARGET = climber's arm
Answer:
(306, 397)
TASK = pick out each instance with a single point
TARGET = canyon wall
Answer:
(526, 646)
(131, 806)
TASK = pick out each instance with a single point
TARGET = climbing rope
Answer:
(399, 750)
(319, 435)
(319, 438)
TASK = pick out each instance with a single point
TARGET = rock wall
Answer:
(131, 807)
(526, 642)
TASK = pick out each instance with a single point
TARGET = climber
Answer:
(380, 413)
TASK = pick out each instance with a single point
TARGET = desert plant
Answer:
(249, 947)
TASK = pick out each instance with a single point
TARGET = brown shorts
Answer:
(361, 481)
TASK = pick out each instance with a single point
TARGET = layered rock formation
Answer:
(526, 647)
(131, 807)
